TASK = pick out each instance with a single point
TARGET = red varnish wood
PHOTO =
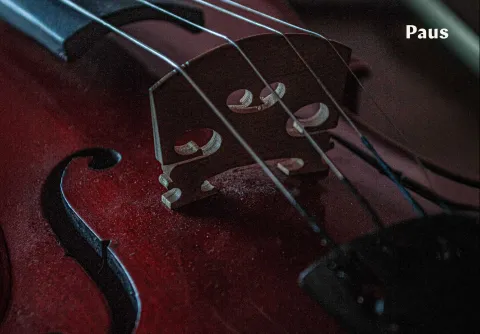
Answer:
(50, 292)
(5, 276)
(226, 264)
(48, 111)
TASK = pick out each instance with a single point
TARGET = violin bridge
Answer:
(192, 143)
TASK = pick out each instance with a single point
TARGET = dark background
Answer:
(431, 96)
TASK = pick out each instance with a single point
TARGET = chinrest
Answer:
(419, 276)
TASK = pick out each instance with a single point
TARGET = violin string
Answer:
(314, 144)
(384, 165)
(291, 199)
(378, 109)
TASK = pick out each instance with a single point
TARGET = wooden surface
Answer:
(224, 265)
(178, 109)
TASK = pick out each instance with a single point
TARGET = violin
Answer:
(261, 202)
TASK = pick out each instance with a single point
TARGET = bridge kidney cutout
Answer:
(310, 116)
(207, 141)
(240, 101)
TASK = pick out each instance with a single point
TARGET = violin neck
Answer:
(69, 34)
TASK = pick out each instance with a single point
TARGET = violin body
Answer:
(92, 249)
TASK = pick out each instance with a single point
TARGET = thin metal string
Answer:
(310, 220)
(329, 162)
(377, 109)
(384, 165)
